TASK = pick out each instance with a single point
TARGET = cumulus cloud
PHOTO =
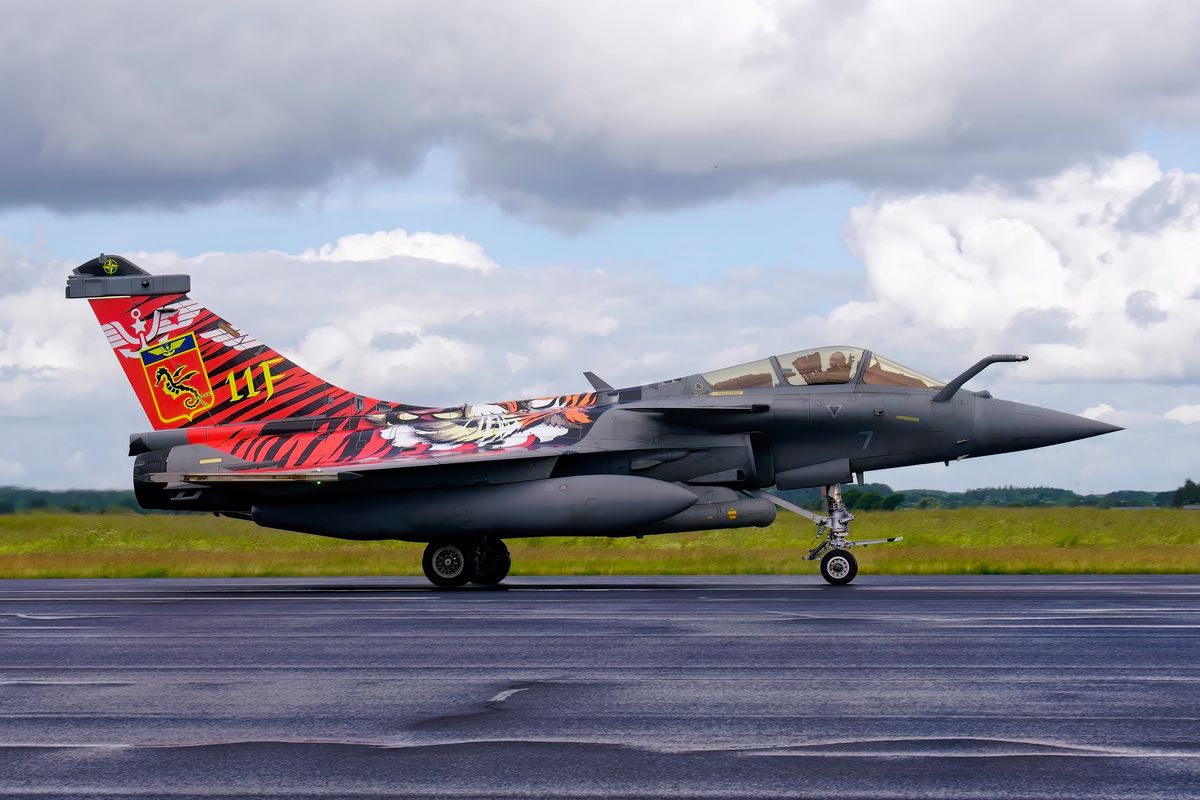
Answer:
(1188, 413)
(1097, 411)
(1060, 269)
(398, 243)
(1136, 419)
(562, 111)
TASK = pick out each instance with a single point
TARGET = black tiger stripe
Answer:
(289, 394)
(230, 361)
(313, 445)
(288, 406)
(273, 451)
(344, 405)
(247, 410)
(312, 408)
(242, 449)
(264, 443)
(243, 410)
(355, 441)
(340, 423)
(284, 458)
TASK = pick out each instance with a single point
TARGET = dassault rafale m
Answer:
(242, 431)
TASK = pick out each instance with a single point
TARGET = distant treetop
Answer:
(1187, 494)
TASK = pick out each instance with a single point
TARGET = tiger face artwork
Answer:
(497, 426)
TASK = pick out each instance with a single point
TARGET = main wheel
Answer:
(492, 564)
(838, 567)
(446, 563)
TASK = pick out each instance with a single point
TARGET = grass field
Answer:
(982, 540)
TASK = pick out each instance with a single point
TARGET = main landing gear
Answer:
(838, 566)
(484, 561)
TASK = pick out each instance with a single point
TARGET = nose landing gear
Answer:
(838, 566)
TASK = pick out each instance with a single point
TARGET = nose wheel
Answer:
(838, 566)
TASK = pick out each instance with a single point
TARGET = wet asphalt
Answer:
(730, 687)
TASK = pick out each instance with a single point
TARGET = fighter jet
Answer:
(242, 431)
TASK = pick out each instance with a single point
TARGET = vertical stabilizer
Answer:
(187, 365)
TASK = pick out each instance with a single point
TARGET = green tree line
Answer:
(868, 497)
(79, 501)
(880, 496)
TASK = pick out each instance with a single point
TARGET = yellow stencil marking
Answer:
(269, 379)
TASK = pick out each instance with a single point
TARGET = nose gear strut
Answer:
(832, 528)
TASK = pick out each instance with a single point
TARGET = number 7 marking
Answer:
(866, 438)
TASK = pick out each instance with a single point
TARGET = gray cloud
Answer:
(561, 112)
(1039, 325)
(1143, 310)
(393, 340)
(1173, 197)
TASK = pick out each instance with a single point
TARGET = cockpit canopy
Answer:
(825, 365)
(822, 366)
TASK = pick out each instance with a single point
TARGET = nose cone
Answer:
(1002, 426)
(1041, 426)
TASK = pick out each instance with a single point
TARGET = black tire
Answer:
(492, 564)
(447, 563)
(839, 567)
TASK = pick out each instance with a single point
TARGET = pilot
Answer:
(839, 368)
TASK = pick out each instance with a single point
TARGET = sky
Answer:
(439, 203)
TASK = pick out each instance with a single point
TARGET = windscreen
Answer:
(884, 372)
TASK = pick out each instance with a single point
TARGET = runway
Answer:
(729, 687)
